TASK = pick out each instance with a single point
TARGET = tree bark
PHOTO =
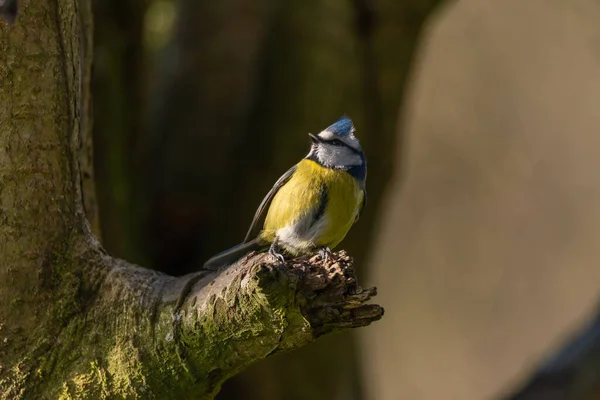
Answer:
(77, 323)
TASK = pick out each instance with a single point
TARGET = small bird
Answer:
(313, 205)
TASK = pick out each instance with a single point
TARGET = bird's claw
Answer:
(274, 252)
(325, 253)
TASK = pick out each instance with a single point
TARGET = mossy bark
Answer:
(40, 200)
(149, 335)
(76, 323)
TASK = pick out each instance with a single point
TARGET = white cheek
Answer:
(335, 156)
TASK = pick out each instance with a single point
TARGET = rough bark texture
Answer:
(76, 323)
(40, 207)
(86, 148)
(149, 335)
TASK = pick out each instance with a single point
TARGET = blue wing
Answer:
(260, 213)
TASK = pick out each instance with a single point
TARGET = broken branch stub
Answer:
(326, 291)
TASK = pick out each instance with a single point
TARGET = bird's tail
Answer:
(233, 254)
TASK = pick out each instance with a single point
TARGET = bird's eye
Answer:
(337, 142)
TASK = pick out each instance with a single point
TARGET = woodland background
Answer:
(479, 120)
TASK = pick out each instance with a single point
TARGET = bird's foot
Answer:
(325, 253)
(275, 252)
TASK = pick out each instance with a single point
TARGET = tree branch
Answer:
(183, 337)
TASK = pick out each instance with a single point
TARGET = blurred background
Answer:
(480, 122)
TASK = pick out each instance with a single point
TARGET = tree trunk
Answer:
(77, 323)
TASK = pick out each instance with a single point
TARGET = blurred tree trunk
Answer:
(198, 115)
(251, 79)
(118, 87)
(488, 249)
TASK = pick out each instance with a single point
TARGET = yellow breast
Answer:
(300, 197)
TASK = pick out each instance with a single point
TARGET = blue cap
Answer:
(342, 127)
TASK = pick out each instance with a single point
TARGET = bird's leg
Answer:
(325, 253)
(274, 251)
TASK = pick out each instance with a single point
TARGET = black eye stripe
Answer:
(339, 143)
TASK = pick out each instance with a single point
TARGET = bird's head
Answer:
(336, 146)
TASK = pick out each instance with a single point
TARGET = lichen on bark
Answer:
(152, 335)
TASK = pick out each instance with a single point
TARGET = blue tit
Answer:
(313, 205)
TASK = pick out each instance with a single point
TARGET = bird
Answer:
(313, 205)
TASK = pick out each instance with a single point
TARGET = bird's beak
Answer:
(314, 138)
